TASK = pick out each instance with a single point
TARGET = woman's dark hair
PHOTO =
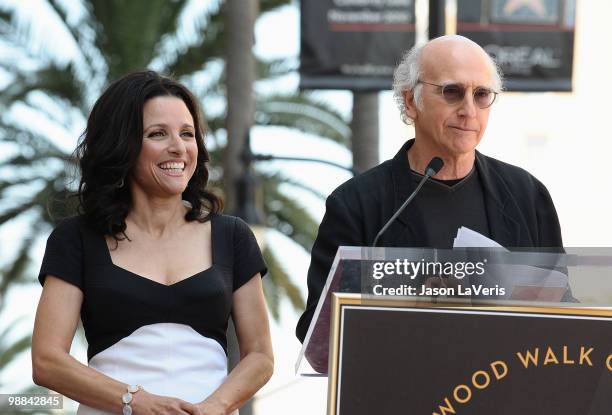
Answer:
(111, 144)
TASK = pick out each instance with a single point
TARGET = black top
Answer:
(116, 301)
(519, 210)
(443, 206)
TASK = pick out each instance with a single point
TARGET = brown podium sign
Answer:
(402, 356)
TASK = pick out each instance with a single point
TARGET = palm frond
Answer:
(278, 285)
(289, 217)
(267, 69)
(5, 17)
(301, 112)
(15, 272)
(90, 66)
(210, 47)
(280, 179)
(7, 330)
(53, 80)
(21, 160)
(14, 212)
(8, 183)
(37, 146)
(128, 33)
(9, 352)
(169, 21)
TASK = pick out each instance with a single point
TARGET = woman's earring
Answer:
(120, 184)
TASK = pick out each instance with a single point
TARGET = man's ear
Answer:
(410, 105)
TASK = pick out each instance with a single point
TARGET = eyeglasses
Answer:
(454, 93)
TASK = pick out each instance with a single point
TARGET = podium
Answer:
(503, 335)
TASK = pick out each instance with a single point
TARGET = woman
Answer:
(151, 267)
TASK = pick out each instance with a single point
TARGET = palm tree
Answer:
(109, 38)
(106, 39)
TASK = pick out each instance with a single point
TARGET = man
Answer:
(446, 89)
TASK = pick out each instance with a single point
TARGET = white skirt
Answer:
(165, 359)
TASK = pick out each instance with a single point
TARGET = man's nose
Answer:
(467, 106)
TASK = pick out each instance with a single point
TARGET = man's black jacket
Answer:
(519, 209)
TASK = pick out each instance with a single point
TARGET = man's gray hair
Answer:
(407, 74)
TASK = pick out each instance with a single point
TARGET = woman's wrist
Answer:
(127, 399)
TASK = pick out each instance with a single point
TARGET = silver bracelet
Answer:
(127, 397)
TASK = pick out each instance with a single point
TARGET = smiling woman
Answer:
(151, 267)
(134, 112)
(169, 148)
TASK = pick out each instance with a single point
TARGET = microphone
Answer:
(434, 166)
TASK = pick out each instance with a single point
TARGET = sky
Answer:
(564, 139)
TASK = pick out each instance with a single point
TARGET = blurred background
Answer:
(278, 150)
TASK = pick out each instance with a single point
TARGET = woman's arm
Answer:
(256, 359)
(53, 367)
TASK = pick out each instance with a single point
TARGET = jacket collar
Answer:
(503, 214)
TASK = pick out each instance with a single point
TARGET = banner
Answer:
(532, 40)
(353, 44)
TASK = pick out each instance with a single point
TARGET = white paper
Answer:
(467, 238)
(510, 275)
